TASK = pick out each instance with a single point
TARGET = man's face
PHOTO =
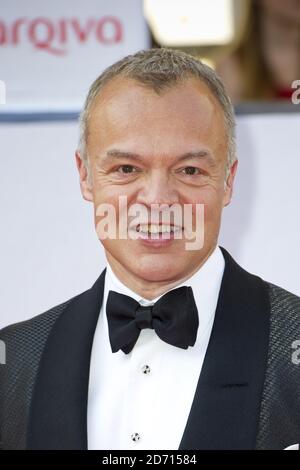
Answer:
(158, 149)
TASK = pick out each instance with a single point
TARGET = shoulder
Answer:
(284, 323)
(284, 337)
(23, 342)
(40, 325)
(283, 302)
(284, 306)
(30, 336)
(37, 325)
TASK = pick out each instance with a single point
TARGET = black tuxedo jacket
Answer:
(248, 392)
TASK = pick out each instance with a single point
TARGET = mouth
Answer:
(157, 235)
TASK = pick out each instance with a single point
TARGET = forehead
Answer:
(126, 108)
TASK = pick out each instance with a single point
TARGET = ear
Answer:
(86, 190)
(229, 184)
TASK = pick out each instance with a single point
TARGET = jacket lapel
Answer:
(58, 413)
(225, 410)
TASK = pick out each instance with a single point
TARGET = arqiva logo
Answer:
(54, 36)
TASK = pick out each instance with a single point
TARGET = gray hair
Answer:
(160, 69)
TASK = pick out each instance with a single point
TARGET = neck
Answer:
(149, 289)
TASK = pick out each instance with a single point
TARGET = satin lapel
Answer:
(226, 405)
(58, 413)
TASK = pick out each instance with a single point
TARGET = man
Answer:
(174, 346)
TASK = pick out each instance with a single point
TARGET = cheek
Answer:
(107, 196)
(111, 214)
(106, 209)
(208, 202)
(210, 196)
(104, 191)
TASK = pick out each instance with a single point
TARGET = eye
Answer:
(191, 170)
(126, 169)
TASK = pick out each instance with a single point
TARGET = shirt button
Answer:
(146, 369)
(135, 437)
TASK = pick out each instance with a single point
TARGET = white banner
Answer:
(49, 250)
(50, 51)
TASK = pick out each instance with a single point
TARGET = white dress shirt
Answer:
(142, 400)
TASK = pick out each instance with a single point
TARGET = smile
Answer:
(157, 228)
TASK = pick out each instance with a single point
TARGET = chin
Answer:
(158, 268)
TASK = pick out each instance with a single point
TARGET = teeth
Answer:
(155, 228)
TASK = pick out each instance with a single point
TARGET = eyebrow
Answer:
(197, 154)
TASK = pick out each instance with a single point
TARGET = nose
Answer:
(158, 189)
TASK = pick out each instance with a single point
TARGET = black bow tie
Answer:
(174, 317)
